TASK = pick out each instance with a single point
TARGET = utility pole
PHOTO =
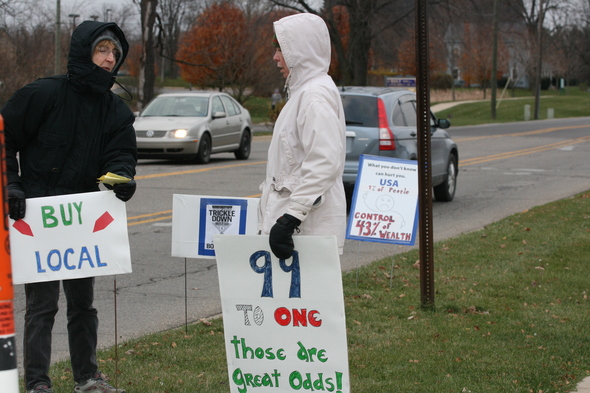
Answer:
(493, 79)
(539, 59)
(57, 66)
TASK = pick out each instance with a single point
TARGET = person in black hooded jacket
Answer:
(69, 130)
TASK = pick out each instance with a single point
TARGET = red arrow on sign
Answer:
(24, 228)
(103, 222)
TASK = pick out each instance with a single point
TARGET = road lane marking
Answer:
(516, 153)
(534, 132)
(166, 214)
(191, 171)
(159, 216)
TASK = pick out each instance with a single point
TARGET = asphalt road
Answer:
(503, 169)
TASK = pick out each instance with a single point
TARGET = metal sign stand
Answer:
(424, 157)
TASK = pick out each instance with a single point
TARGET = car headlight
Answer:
(180, 133)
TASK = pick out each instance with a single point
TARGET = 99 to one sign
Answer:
(282, 315)
(283, 319)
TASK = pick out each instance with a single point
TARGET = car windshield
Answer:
(360, 110)
(177, 106)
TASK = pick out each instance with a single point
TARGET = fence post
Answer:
(8, 365)
(527, 112)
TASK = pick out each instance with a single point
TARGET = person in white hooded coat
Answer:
(303, 188)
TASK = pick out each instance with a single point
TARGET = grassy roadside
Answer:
(575, 103)
(511, 315)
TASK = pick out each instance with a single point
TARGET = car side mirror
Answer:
(136, 113)
(219, 115)
(443, 123)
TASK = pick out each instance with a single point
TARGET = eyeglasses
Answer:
(106, 51)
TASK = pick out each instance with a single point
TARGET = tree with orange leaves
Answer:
(339, 15)
(222, 50)
(406, 55)
(476, 59)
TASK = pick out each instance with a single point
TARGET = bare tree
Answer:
(364, 24)
(147, 75)
(170, 22)
(25, 57)
(533, 13)
(122, 14)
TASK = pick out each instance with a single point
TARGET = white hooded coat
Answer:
(308, 147)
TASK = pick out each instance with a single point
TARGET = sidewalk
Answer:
(583, 387)
(446, 105)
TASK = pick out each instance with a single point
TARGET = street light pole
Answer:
(57, 64)
(74, 16)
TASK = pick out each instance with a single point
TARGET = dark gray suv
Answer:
(382, 121)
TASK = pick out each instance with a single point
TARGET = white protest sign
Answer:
(385, 201)
(70, 236)
(284, 322)
(196, 219)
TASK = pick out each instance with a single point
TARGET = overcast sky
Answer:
(86, 8)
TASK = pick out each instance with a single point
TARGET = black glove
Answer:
(17, 203)
(281, 236)
(124, 191)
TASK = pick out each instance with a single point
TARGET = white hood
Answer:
(308, 147)
(305, 44)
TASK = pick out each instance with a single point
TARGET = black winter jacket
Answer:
(68, 130)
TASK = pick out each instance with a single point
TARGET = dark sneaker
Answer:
(98, 384)
(40, 388)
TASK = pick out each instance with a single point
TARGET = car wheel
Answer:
(204, 153)
(445, 192)
(243, 151)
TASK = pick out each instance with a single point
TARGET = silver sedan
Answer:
(193, 125)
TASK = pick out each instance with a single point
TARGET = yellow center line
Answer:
(538, 149)
(166, 214)
(535, 132)
(188, 172)
(163, 217)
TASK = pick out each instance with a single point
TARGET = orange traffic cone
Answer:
(8, 366)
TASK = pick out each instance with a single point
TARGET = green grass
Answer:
(259, 108)
(574, 103)
(511, 314)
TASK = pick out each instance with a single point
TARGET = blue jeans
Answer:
(42, 305)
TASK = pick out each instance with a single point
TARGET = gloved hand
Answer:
(17, 203)
(281, 236)
(124, 191)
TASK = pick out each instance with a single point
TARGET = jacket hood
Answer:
(81, 70)
(305, 44)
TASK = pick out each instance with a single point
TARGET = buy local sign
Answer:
(70, 236)
(284, 321)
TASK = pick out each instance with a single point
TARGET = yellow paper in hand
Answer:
(112, 179)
